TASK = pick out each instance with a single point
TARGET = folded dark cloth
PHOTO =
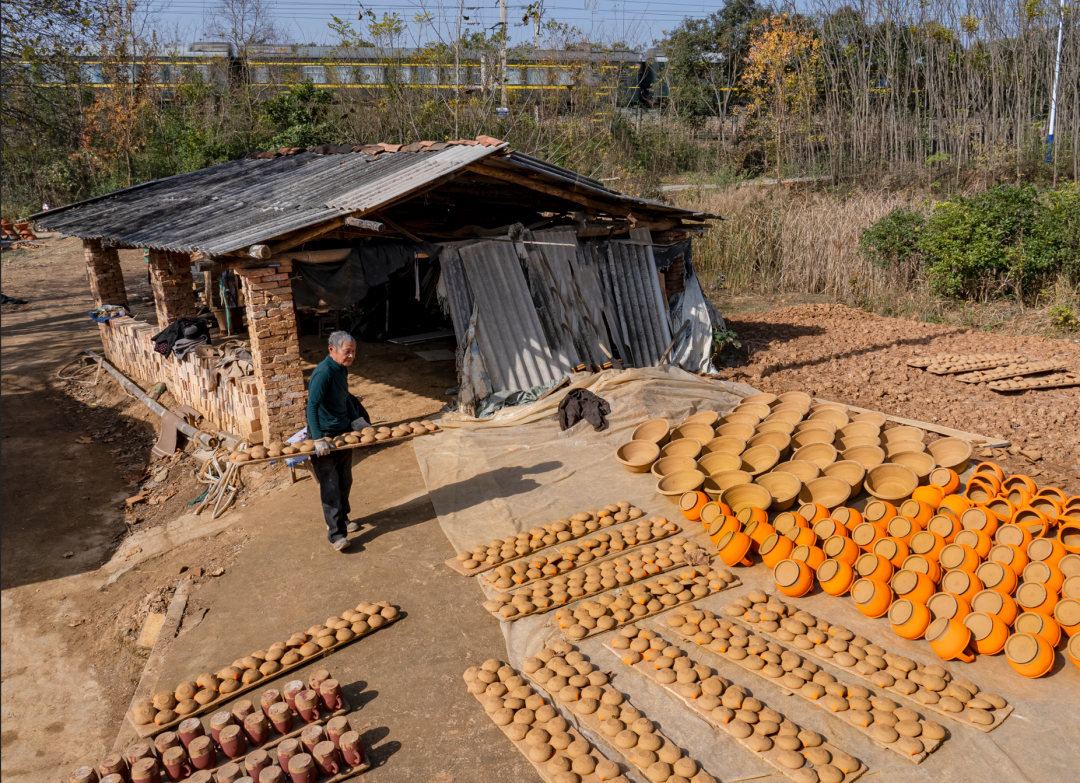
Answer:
(189, 328)
(581, 404)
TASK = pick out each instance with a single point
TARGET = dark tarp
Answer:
(343, 283)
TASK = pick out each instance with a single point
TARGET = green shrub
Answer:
(894, 239)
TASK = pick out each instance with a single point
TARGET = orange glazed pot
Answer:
(835, 577)
(980, 518)
(1049, 576)
(959, 556)
(956, 504)
(1003, 508)
(946, 479)
(1034, 597)
(930, 495)
(924, 566)
(787, 520)
(842, 549)
(848, 517)
(824, 528)
(812, 512)
(992, 468)
(902, 528)
(928, 544)
(722, 526)
(988, 633)
(949, 639)
(1018, 536)
(982, 489)
(871, 566)
(758, 532)
(917, 511)
(1067, 614)
(879, 511)
(892, 549)
(913, 586)
(774, 549)
(945, 525)
(1069, 534)
(1039, 623)
(977, 540)
(811, 555)
(1054, 494)
(948, 606)
(691, 504)
(1009, 555)
(733, 549)
(866, 535)
(793, 578)
(961, 584)
(802, 536)
(872, 598)
(1046, 550)
(1029, 655)
(909, 619)
(992, 602)
(1048, 506)
(998, 577)
(1020, 480)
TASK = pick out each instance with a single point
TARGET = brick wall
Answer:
(275, 348)
(106, 278)
(170, 278)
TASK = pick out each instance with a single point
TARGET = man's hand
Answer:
(322, 448)
(359, 424)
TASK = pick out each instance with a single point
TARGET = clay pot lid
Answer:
(1000, 553)
(1031, 594)
(1030, 622)
(991, 574)
(787, 573)
(866, 564)
(864, 591)
(900, 612)
(886, 548)
(1021, 648)
(1037, 572)
(833, 546)
(904, 582)
(956, 582)
(980, 624)
(1040, 549)
(952, 556)
(863, 533)
(1067, 612)
(943, 606)
(989, 601)
(829, 568)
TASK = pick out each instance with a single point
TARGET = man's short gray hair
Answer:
(338, 339)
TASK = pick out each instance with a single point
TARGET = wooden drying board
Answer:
(346, 447)
(999, 715)
(596, 631)
(1010, 371)
(978, 440)
(930, 745)
(770, 756)
(455, 565)
(541, 768)
(609, 556)
(593, 722)
(152, 729)
(1074, 380)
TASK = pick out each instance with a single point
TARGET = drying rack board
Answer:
(597, 631)
(1010, 371)
(593, 723)
(1056, 381)
(347, 447)
(455, 565)
(929, 744)
(541, 768)
(152, 729)
(956, 364)
(597, 561)
(999, 715)
(771, 757)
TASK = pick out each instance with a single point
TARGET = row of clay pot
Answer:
(233, 746)
(925, 568)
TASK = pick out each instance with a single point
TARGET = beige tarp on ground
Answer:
(493, 478)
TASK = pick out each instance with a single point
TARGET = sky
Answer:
(638, 22)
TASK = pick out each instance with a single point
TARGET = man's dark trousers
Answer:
(334, 474)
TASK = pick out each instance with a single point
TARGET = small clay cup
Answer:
(145, 770)
(307, 705)
(317, 677)
(302, 769)
(289, 692)
(218, 722)
(327, 758)
(176, 763)
(229, 773)
(203, 754)
(272, 775)
(164, 741)
(242, 709)
(282, 717)
(287, 750)
(257, 728)
(268, 699)
(114, 763)
(189, 729)
(312, 736)
(330, 695)
(255, 762)
(84, 774)
(335, 727)
(352, 748)
(136, 751)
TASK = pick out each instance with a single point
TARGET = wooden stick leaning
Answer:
(965, 716)
(842, 768)
(153, 729)
(563, 743)
(603, 709)
(747, 658)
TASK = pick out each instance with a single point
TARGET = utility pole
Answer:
(457, 66)
(502, 52)
(1053, 95)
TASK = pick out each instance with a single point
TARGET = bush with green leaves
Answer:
(894, 239)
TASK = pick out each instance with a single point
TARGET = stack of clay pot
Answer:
(576, 555)
(7, 229)
(641, 599)
(500, 550)
(365, 436)
(167, 707)
(930, 685)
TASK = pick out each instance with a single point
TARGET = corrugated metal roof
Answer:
(642, 313)
(223, 208)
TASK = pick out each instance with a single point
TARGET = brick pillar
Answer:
(106, 278)
(275, 349)
(170, 278)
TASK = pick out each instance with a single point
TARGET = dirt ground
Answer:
(81, 568)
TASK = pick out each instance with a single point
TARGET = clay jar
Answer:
(874, 566)
(946, 606)
(140, 750)
(992, 602)
(996, 576)
(733, 548)
(928, 544)
(841, 548)
(793, 578)
(307, 705)
(1029, 655)
(962, 584)
(114, 763)
(302, 769)
(976, 539)
(866, 535)
(312, 736)
(945, 525)
(892, 549)
(909, 619)
(255, 763)
(913, 586)
(924, 566)
(949, 639)
(257, 728)
(872, 598)
(327, 758)
(233, 741)
(202, 752)
(282, 717)
(176, 763)
(1009, 555)
(988, 633)
(774, 549)
(352, 748)
(835, 576)
(218, 722)
(1046, 550)
(1043, 574)
(691, 504)
(164, 741)
(1040, 624)
(286, 750)
(959, 556)
(330, 695)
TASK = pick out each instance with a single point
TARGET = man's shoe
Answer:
(341, 544)
(352, 527)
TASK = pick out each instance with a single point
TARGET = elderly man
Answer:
(331, 411)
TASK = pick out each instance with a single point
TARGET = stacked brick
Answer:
(232, 406)
(170, 279)
(106, 277)
(275, 348)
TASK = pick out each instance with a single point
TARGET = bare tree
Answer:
(243, 23)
